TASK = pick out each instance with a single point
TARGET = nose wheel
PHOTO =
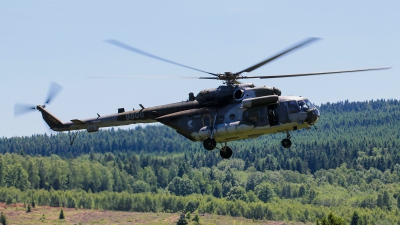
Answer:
(286, 142)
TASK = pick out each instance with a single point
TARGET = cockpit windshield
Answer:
(305, 105)
(310, 105)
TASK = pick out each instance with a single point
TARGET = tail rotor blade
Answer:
(53, 91)
(21, 108)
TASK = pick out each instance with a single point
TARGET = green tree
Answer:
(253, 180)
(28, 209)
(61, 216)
(33, 174)
(386, 200)
(264, 191)
(9, 199)
(17, 177)
(190, 207)
(216, 189)
(140, 187)
(182, 220)
(196, 219)
(237, 193)
(331, 220)
(2, 170)
(355, 219)
(398, 201)
(379, 201)
(180, 186)
(3, 219)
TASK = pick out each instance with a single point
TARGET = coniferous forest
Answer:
(348, 166)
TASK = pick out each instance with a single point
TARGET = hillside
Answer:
(350, 164)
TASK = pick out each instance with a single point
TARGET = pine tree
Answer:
(182, 220)
(61, 217)
(379, 201)
(355, 219)
(196, 219)
(3, 219)
(398, 201)
(29, 209)
(386, 200)
(331, 220)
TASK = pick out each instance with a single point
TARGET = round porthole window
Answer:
(190, 123)
(232, 116)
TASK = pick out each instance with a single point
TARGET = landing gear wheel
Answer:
(209, 144)
(225, 152)
(286, 143)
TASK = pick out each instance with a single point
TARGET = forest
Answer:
(349, 165)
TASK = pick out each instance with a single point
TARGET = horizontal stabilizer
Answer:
(77, 122)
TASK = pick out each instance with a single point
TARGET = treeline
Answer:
(360, 134)
(286, 210)
(107, 181)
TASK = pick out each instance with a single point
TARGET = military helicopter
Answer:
(216, 116)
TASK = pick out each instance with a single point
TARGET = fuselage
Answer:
(227, 113)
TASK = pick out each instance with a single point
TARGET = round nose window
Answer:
(238, 94)
(232, 116)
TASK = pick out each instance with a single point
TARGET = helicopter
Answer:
(233, 111)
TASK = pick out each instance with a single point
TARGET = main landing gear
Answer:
(225, 151)
(209, 144)
(286, 142)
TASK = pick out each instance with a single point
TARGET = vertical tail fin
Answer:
(51, 120)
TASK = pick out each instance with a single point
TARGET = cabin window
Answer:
(293, 107)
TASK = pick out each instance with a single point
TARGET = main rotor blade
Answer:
(21, 108)
(132, 49)
(312, 74)
(301, 44)
(53, 91)
(144, 76)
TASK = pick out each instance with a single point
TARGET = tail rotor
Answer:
(22, 108)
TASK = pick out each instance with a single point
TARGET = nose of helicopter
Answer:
(313, 116)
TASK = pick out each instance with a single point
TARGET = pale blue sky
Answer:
(63, 41)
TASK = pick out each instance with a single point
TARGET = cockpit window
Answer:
(293, 107)
(305, 105)
(309, 103)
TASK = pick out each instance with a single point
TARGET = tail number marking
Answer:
(136, 115)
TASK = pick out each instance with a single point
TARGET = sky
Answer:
(64, 42)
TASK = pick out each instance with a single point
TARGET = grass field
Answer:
(16, 214)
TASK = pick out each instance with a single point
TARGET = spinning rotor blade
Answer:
(312, 74)
(143, 76)
(258, 65)
(53, 91)
(21, 108)
(132, 49)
